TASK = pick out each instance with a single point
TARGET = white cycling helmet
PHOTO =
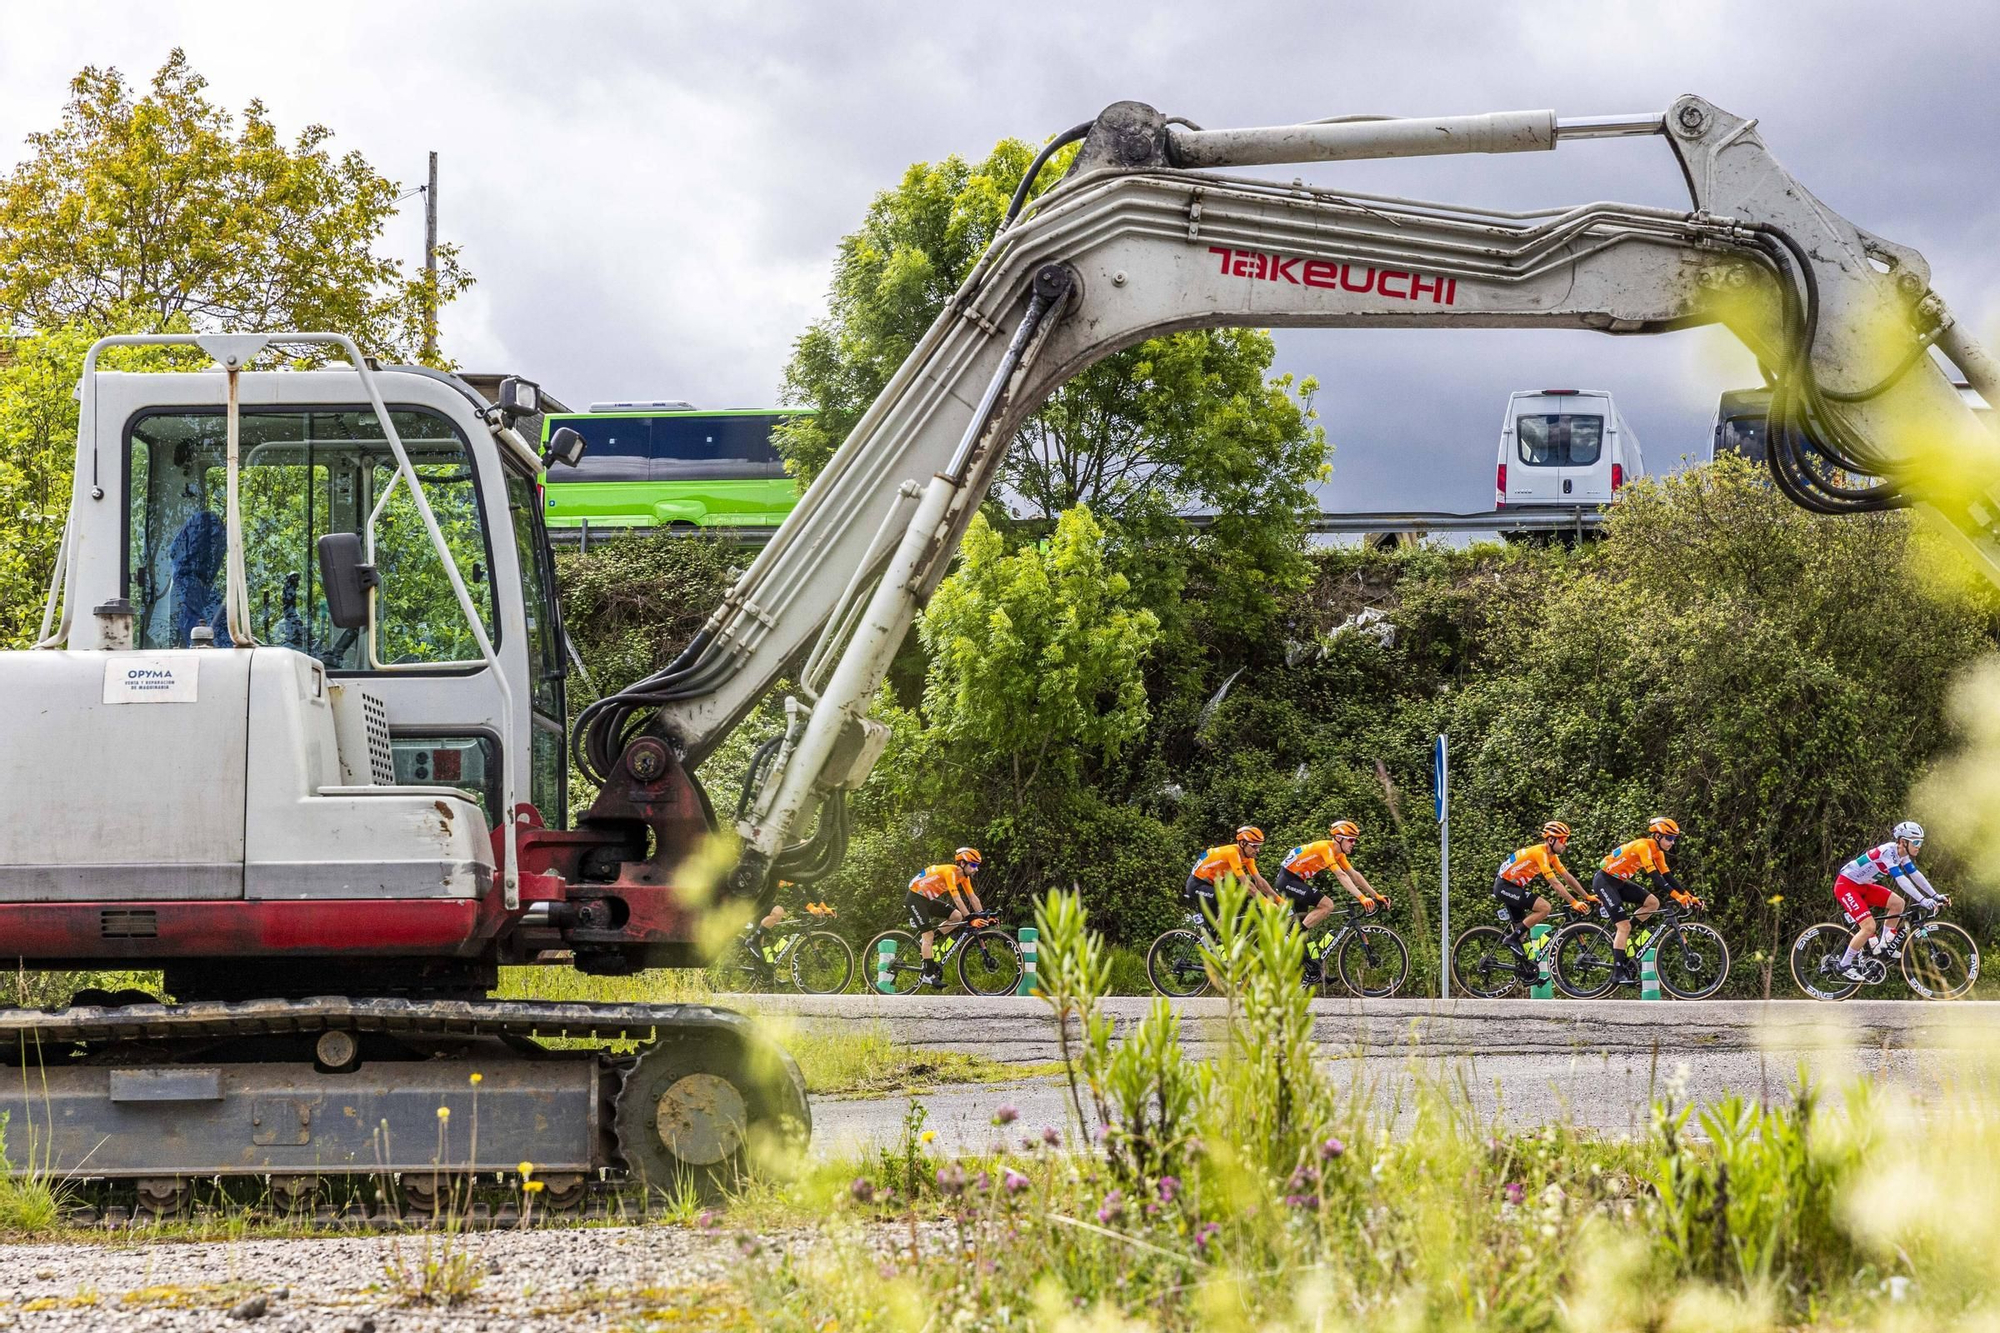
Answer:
(1909, 830)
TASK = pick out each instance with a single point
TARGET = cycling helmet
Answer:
(1909, 831)
(1344, 828)
(1555, 828)
(1662, 825)
(1249, 833)
(966, 856)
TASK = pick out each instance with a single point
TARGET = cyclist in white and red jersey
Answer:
(1865, 883)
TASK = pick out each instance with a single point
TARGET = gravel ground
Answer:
(601, 1278)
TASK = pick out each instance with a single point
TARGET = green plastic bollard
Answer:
(1029, 947)
(885, 967)
(1545, 988)
(1649, 972)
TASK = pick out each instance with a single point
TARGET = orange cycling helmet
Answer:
(966, 856)
(1344, 828)
(1249, 833)
(1662, 825)
(1555, 828)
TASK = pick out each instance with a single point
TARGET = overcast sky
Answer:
(650, 194)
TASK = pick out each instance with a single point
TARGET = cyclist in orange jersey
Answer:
(1310, 905)
(1238, 859)
(942, 899)
(1296, 876)
(1616, 885)
(1514, 885)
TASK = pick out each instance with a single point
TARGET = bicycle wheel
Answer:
(990, 963)
(1373, 961)
(742, 971)
(1581, 960)
(823, 963)
(1483, 965)
(1940, 961)
(1816, 955)
(1174, 965)
(904, 970)
(1691, 959)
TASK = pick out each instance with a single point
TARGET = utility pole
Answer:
(431, 263)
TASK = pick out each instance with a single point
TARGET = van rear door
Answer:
(1590, 448)
(1539, 436)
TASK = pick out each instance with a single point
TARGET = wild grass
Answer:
(31, 1196)
(870, 1061)
(1254, 1191)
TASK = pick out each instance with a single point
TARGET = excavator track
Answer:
(371, 1112)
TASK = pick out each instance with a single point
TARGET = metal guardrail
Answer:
(1578, 519)
(1552, 518)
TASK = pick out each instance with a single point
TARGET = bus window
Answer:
(1741, 435)
(701, 448)
(618, 448)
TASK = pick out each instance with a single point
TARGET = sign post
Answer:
(1441, 780)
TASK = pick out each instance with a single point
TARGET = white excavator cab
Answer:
(335, 784)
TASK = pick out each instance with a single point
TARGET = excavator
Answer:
(303, 629)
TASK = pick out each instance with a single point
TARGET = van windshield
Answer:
(1559, 441)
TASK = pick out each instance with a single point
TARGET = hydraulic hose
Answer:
(1049, 150)
(1804, 437)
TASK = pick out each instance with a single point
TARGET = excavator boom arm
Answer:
(1135, 243)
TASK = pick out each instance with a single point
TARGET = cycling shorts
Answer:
(1302, 893)
(1518, 899)
(1618, 894)
(1858, 900)
(926, 913)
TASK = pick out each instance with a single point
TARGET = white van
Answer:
(1564, 447)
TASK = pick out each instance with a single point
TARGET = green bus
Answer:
(669, 466)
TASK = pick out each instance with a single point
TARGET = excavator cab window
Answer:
(549, 764)
(304, 473)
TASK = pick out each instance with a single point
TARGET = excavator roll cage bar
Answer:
(1141, 237)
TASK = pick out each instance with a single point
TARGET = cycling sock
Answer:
(1847, 959)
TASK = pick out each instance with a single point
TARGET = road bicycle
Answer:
(1485, 966)
(1369, 959)
(989, 958)
(1174, 963)
(1938, 959)
(819, 962)
(1690, 958)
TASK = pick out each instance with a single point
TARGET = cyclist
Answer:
(754, 933)
(1858, 892)
(1515, 882)
(1237, 858)
(1616, 885)
(1310, 906)
(941, 899)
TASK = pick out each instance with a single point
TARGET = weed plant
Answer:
(1254, 1191)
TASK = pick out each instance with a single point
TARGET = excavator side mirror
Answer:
(565, 447)
(519, 398)
(346, 579)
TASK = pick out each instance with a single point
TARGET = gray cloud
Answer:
(651, 194)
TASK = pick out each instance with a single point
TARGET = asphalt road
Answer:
(1516, 1062)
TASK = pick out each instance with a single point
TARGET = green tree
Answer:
(158, 210)
(37, 437)
(1185, 421)
(1035, 656)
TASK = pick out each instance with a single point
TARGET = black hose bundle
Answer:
(820, 855)
(1807, 445)
(604, 728)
